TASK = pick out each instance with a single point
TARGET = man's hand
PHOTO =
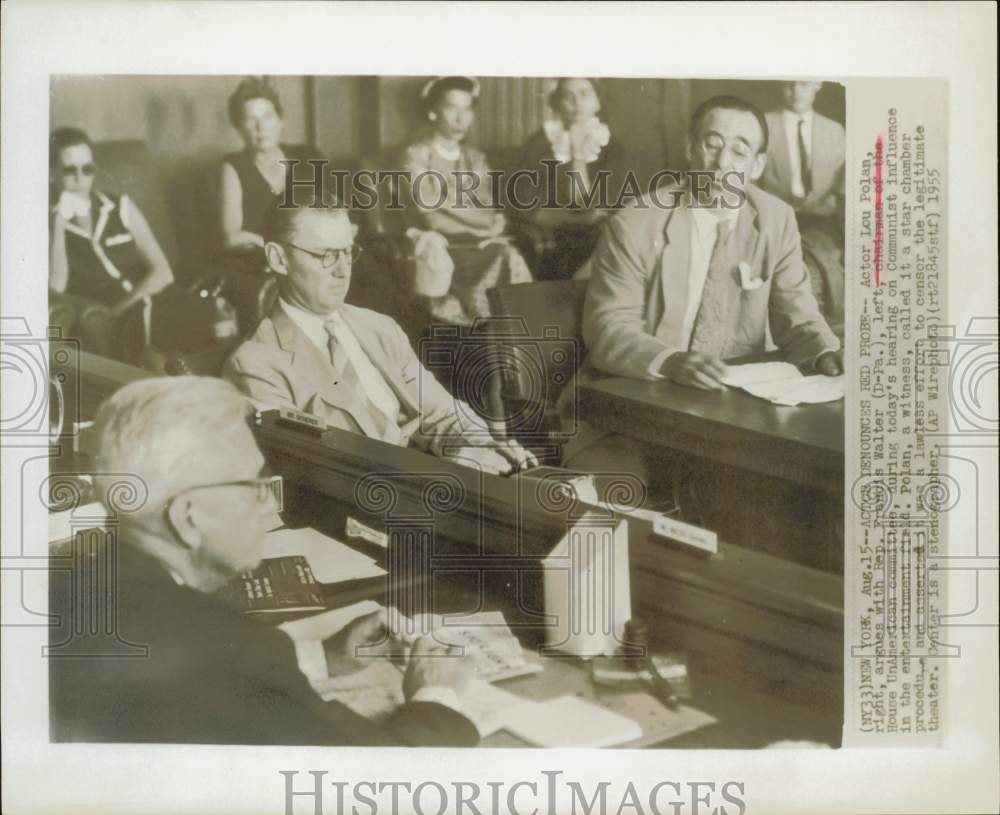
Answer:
(518, 456)
(498, 458)
(344, 649)
(433, 664)
(694, 370)
(831, 363)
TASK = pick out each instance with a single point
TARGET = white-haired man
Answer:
(207, 674)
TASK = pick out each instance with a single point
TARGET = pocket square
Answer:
(747, 281)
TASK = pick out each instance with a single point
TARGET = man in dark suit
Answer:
(172, 661)
(698, 274)
(351, 366)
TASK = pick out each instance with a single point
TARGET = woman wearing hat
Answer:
(450, 228)
(581, 145)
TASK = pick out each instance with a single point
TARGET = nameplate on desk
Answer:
(297, 420)
(688, 534)
(356, 529)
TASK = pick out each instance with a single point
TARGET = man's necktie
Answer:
(385, 425)
(711, 325)
(804, 171)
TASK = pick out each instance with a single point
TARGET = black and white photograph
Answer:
(531, 420)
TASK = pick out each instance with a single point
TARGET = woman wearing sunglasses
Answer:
(103, 257)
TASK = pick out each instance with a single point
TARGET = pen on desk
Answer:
(661, 687)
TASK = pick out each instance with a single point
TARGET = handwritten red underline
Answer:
(878, 207)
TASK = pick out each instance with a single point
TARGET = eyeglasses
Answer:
(85, 170)
(267, 487)
(332, 257)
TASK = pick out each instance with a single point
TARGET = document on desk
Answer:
(569, 721)
(783, 384)
(331, 561)
(485, 639)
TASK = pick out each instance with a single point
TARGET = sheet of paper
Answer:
(321, 626)
(740, 375)
(61, 524)
(331, 561)
(485, 639)
(486, 706)
(783, 384)
(569, 721)
(805, 391)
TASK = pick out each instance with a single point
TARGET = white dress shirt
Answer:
(376, 389)
(791, 120)
(704, 233)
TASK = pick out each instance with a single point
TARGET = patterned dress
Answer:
(469, 221)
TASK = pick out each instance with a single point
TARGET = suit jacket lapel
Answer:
(822, 150)
(369, 341)
(780, 153)
(313, 366)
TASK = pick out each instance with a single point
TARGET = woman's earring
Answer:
(432, 116)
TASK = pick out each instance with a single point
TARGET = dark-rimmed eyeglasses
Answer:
(87, 170)
(332, 257)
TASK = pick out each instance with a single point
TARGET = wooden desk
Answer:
(762, 475)
(763, 634)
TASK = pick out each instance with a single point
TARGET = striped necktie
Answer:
(348, 376)
(711, 325)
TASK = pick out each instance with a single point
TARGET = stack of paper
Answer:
(484, 638)
(783, 384)
(331, 561)
(569, 721)
(376, 690)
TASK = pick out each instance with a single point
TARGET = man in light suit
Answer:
(183, 666)
(698, 274)
(805, 168)
(352, 367)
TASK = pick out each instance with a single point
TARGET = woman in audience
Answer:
(573, 210)
(459, 238)
(255, 177)
(103, 258)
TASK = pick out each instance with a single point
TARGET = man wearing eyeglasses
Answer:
(699, 273)
(167, 659)
(352, 367)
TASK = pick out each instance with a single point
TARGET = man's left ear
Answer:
(354, 231)
(276, 260)
(759, 162)
(181, 517)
